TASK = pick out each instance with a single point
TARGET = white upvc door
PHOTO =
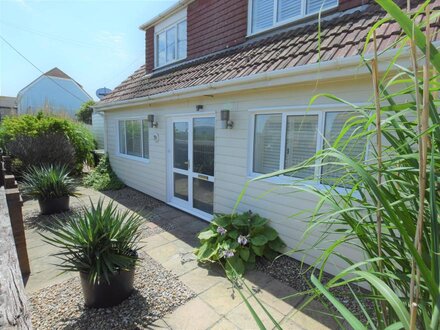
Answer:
(191, 165)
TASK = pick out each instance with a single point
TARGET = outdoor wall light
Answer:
(199, 107)
(153, 123)
(224, 116)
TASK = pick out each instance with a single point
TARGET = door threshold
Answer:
(199, 214)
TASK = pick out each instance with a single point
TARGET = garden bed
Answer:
(157, 292)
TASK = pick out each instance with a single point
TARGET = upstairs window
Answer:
(171, 44)
(269, 13)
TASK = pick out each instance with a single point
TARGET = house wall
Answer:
(98, 129)
(232, 155)
(62, 96)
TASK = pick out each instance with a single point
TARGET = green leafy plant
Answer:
(36, 125)
(103, 177)
(100, 241)
(48, 182)
(45, 149)
(391, 212)
(84, 114)
(236, 240)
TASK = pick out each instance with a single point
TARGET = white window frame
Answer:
(156, 43)
(118, 147)
(321, 111)
(275, 23)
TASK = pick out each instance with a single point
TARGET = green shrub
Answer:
(99, 241)
(36, 125)
(236, 240)
(84, 114)
(103, 177)
(45, 149)
(48, 182)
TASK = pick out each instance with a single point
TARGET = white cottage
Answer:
(220, 98)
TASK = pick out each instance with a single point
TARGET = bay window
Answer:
(269, 13)
(285, 140)
(171, 44)
(133, 138)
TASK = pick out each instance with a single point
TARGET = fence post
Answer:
(7, 164)
(15, 204)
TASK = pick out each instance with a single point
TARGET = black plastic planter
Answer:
(107, 294)
(56, 205)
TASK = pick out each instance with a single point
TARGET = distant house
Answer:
(8, 106)
(53, 91)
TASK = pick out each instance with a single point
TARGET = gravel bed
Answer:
(157, 292)
(133, 199)
(291, 272)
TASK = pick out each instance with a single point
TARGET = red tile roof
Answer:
(342, 36)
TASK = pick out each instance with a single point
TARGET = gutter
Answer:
(309, 72)
(171, 10)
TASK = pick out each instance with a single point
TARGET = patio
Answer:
(169, 239)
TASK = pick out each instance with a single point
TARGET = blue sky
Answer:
(96, 42)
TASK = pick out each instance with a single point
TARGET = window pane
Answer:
(161, 49)
(262, 14)
(181, 40)
(288, 9)
(203, 145)
(122, 137)
(314, 6)
(133, 129)
(267, 143)
(146, 146)
(171, 44)
(334, 123)
(301, 135)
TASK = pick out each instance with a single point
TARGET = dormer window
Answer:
(266, 14)
(170, 40)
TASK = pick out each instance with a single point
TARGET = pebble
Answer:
(157, 292)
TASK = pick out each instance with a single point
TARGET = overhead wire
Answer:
(30, 62)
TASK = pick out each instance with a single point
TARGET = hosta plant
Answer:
(236, 240)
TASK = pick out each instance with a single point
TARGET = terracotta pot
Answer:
(55, 205)
(106, 294)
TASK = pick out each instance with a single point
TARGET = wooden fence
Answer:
(14, 262)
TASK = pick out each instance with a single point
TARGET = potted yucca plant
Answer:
(51, 185)
(100, 243)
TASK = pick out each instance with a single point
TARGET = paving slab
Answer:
(222, 297)
(194, 315)
(243, 319)
(224, 324)
(201, 279)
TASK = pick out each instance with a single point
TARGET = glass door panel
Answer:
(203, 195)
(180, 147)
(181, 186)
(203, 145)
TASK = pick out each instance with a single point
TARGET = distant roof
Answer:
(8, 102)
(55, 72)
(341, 36)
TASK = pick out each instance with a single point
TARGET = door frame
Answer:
(171, 200)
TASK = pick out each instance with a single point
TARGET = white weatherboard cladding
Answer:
(233, 153)
(98, 129)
